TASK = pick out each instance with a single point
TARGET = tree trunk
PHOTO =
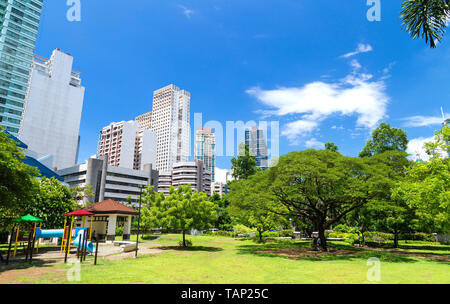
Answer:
(323, 239)
(260, 236)
(395, 239)
(184, 238)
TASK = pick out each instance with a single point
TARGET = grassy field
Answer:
(227, 260)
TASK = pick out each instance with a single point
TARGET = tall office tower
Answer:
(170, 122)
(205, 149)
(257, 144)
(19, 22)
(145, 121)
(127, 145)
(52, 112)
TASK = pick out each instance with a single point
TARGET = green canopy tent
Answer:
(28, 219)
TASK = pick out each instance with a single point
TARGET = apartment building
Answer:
(19, 23)
(186, 173)
(53, 105)
(127, 145)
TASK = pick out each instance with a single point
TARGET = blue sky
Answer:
(319, 67)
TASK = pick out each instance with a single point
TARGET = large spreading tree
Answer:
(244, 165)
(322, 187)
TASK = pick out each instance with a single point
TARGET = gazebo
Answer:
(107, 215)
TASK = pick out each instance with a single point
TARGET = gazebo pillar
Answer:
(127, 228)
(111, 233)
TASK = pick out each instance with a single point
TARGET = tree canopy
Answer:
(385, 138)
(244, 165)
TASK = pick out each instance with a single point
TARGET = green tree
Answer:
(426, 19)
(427, 184)
(331, 146)
(385, 138)
(251, 204)
(83, 193)
(17, 181)
(50, 203)
(244, 165)
(322, 187)
(224, 221)
(182, 210)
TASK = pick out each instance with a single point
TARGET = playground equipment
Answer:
(24, 233)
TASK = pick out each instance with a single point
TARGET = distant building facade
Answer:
(186, 173)
(53, 105)
(145, 121)
(256, 141)
(205, 149)
(110, 182)
(127, 145)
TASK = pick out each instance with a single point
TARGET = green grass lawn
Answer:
(227, 260)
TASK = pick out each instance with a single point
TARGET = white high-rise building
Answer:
(52, 112)
(170, 122)
(127, 145)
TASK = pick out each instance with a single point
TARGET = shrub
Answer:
(223, 233)
(385, 237)
(119, 231)
(418, 236)
(267, 234)
(287, 233)
(347, 229)
(241, 229)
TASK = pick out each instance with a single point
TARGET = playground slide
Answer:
(80, 238)
(58, 233)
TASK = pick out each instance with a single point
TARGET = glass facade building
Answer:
(19, 22)
(257, 144)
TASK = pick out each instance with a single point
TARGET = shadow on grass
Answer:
(302, 251)
(22, 264)
(193, 248)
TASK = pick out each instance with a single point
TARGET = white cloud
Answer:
(314, 143)
(362, 48)
(416, 149)
(423, 121)
(187, 12)
(316, 101)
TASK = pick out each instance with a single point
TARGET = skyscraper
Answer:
(19, 22)
(257, 144)
(170, 122)
(205, 149)
(52, 111)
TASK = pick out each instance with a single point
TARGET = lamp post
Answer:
(141, 187)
